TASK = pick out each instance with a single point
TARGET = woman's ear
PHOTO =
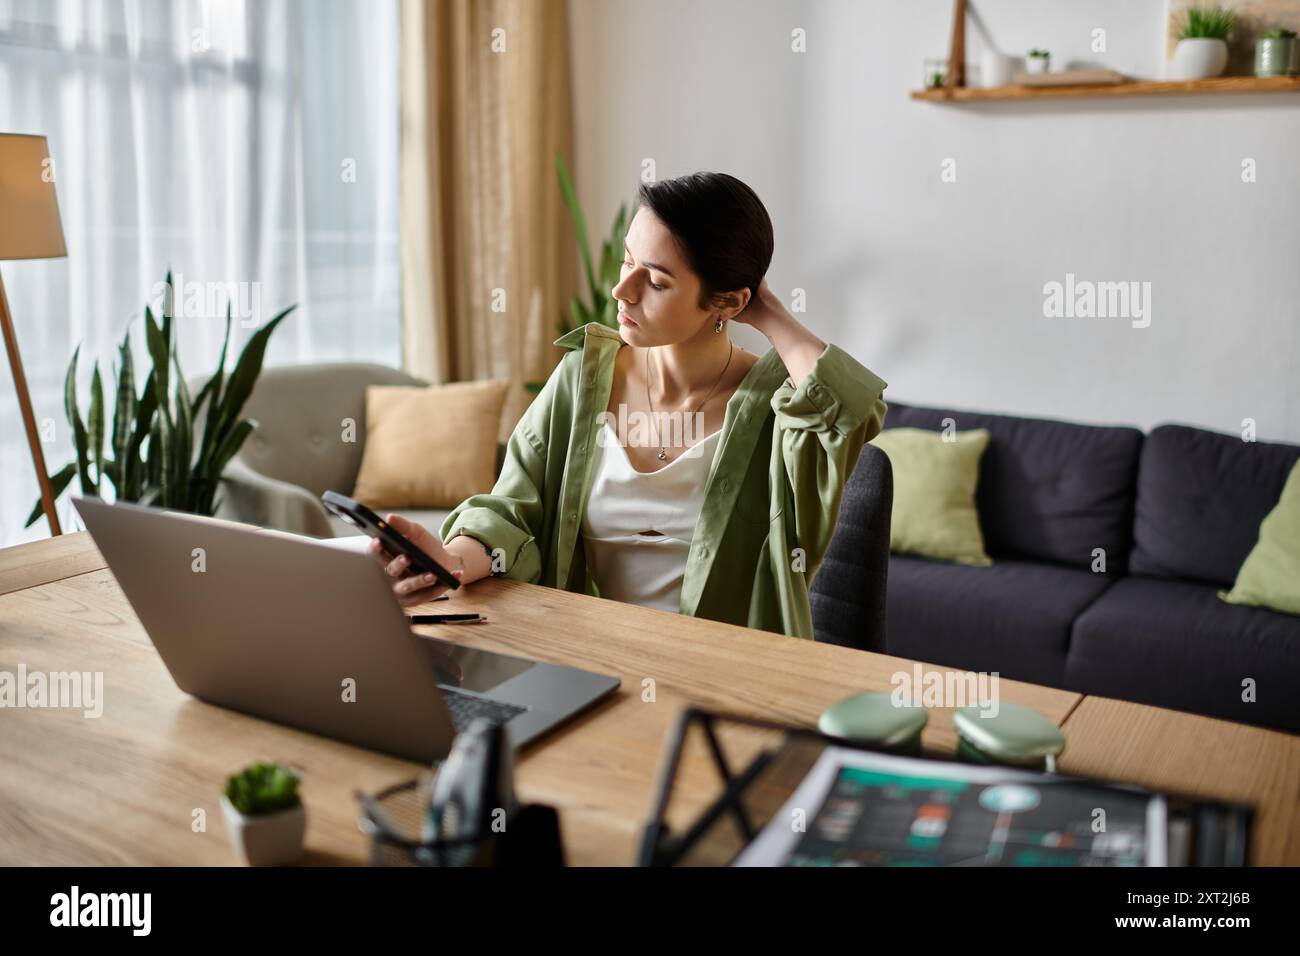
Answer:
(728, 305)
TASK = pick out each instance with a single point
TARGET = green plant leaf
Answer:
(1207, 23)
(247, 368)
(575, 213)
(160, 444)
(184, 438)
(168, 308)
(79, 437)
(159, 352)
(124, 410)
(162, 452)
(581, 316)
(614, 258)
(212, 391)
(136, 471)
(58, 484)
(231, 444)
(95, 426)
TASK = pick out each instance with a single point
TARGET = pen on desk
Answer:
(445, 618)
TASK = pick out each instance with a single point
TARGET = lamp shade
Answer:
(29, 210)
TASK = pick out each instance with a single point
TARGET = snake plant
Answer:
(165, 447)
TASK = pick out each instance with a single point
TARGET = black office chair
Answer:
(848, 591)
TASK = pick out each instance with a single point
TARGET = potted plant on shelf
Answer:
(1202, 49)
(264, 815)
(1276, 53)
(164, 448)
(1038, 61)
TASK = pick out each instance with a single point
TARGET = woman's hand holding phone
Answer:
(412, 588)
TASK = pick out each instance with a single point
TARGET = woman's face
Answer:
(658, 294)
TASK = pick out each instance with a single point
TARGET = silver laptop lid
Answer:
(279, 627)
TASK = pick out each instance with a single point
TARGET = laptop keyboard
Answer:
(465, 707)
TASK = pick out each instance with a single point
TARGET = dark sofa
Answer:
(1174, 512)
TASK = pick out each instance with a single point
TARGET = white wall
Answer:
(938, 287)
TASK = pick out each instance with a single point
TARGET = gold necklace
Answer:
(663, 454)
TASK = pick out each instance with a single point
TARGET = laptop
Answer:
(292, 630)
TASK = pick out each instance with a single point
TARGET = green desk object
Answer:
(875, 720)
(1017, 736)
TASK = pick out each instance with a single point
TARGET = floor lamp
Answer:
(29, 229)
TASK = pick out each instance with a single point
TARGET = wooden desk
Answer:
(1188, 753)
(125, 788)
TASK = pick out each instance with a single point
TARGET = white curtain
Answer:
(250, 147)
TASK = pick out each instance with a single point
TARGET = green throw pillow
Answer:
(934, 493)
(1270, 576)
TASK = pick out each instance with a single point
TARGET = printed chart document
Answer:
(866, 809)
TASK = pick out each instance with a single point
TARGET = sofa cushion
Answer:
(1049, 490)
(1270, 577)
(1201, 497)
(1013, 617)
(934, 513)
(413, 460)
(1175, 644)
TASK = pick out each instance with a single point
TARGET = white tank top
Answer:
(630, 566)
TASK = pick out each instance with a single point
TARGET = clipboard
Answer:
(726, 777)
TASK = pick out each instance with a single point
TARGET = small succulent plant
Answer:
(263, 788)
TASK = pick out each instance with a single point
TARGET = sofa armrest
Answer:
(253, 498)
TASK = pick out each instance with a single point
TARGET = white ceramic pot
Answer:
(274, 839)
(1197, 59)
(1037, 64)
(995, 69)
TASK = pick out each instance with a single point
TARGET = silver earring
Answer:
(717, 326)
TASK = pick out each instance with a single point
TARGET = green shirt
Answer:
(770, 502)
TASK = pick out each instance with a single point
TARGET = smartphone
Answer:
(394, 542)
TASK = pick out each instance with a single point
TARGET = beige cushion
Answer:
(429, 447)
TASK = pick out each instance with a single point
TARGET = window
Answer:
(247, 146)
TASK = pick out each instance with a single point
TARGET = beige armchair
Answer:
(311, 431)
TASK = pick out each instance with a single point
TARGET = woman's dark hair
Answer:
(720, 226)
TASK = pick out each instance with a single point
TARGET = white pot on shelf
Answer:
(996, 69)
(1037, 64)
(1197, 59)
(274, 839)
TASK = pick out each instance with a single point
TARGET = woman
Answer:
(661, 464)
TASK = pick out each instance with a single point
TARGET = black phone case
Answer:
(358, 515)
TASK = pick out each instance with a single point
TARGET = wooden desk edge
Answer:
(34, 563)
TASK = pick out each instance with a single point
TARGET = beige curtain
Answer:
(488, 252)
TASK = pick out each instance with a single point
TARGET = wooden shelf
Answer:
(1220, 84)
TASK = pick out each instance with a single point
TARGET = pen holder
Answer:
(393, 819)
